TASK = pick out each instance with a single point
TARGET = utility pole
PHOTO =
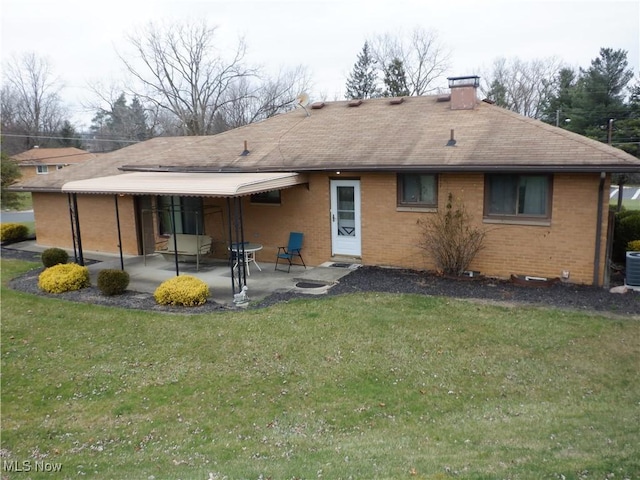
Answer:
(621, 177)
(610, 132)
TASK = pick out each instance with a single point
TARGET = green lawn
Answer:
(362, 386)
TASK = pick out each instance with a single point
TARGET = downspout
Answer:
(596, 259)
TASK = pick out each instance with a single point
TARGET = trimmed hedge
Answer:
(184, 290)
(626, 229)
(112, 281)
(64, 277)
(54, 256)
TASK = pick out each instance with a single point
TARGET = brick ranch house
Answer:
(42, 161)
(355, 177)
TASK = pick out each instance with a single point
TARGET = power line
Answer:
(71, 138)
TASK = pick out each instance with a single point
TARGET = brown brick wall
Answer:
(389, 237)
(28, 172)
(98, 225)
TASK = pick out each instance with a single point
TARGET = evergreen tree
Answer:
(9, 175)
(395, 79)
(69, 136)
(625, 132)
(362, 83)
(599, 94)
(122, 124)
(559, 106)
(498, 94)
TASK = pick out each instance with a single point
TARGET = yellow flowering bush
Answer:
(10, 232)
(64, 277)
(183, 290)
(634, 246)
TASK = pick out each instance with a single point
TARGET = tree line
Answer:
(183, 83)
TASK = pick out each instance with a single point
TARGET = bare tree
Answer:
(183, 73)
(524, 87)
(189, 86)
(31, 104)
(257, 100)
(424, 58)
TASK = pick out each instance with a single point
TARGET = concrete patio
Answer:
(146, 273)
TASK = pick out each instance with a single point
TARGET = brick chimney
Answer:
(463, 92)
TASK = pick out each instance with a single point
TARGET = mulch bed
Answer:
(376, 279)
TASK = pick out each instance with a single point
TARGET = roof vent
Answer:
(355, 103)
(396, 101)
(245, 152)
(452, 141)
(317, 105)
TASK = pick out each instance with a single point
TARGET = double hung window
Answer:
(417, 190)
(517, 196)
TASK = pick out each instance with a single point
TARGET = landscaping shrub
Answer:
(13, 232)
(451, 239)
(54, 256)
(112, 281)
(183, 290)
(634, 246)
(626, 229)
(64, 277)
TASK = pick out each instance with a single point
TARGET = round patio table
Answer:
(250, 250)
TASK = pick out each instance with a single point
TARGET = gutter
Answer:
(489, 168)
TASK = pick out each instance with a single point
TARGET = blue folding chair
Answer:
(291, 251)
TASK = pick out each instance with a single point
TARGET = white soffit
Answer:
(186, 184)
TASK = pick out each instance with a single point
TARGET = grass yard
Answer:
(365, 386)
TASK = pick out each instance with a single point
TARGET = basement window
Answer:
(417, 190)
(512, 197)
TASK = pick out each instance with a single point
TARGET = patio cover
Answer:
(186, 184)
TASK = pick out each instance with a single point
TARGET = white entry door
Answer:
(345, 218)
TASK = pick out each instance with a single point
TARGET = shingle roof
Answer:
(52, 156)
(376, 135)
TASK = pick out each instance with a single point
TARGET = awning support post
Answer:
(175, 237)
(75, 221)
(115, 197)
(73, 228)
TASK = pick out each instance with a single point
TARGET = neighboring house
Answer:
(42, 161)
(355, 177)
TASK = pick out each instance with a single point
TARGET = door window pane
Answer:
(346, 212)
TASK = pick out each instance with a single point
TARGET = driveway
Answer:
(16, 217)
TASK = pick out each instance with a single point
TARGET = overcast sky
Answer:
(80, 38)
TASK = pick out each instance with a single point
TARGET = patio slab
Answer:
(146, 273)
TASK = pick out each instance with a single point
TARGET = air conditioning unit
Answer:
(633, 269)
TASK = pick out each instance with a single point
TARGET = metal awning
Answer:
(186, 184)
